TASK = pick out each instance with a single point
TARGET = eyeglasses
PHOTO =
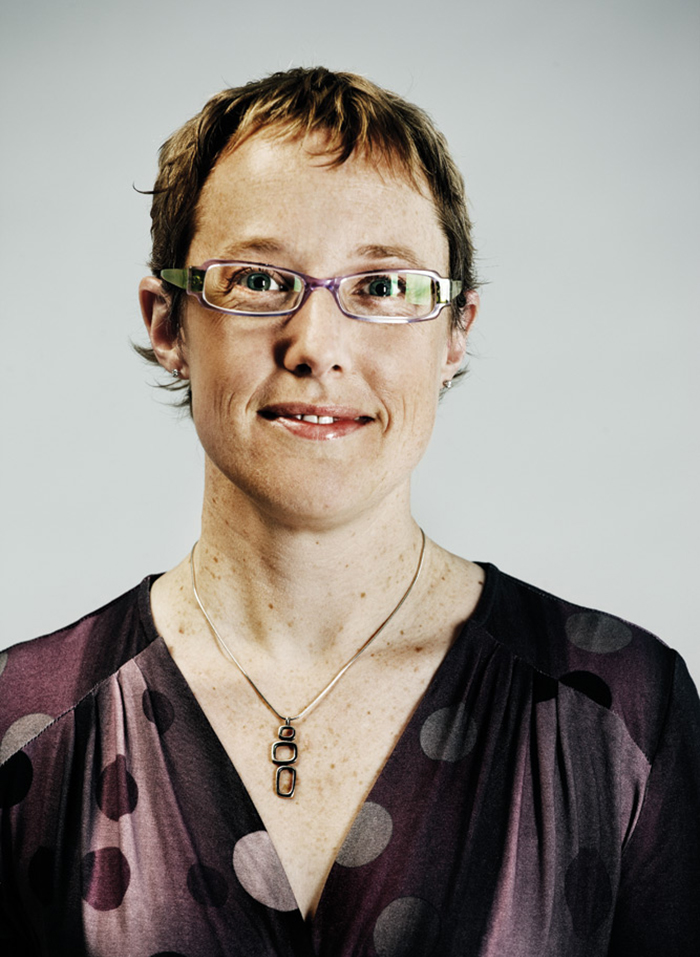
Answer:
(253, 289)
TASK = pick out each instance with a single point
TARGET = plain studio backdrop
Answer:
(568, 457)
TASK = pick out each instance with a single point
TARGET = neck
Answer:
(294, 592)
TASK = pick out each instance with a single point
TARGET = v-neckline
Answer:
(478, 614)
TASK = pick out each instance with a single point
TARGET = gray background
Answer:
(569, 457)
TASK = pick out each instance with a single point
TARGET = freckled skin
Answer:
(320, 219)
(296, 528)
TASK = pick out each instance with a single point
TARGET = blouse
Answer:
(542, 801)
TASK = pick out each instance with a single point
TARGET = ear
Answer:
(155, 309)
(457, 338)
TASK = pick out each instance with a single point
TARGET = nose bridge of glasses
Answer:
(311, 284)
(316, 333)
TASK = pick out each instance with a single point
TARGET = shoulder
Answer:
(619, 665)
(42, 679)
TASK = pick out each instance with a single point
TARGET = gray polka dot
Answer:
(448, 734)
(367, 838)
(258, 868)
(3, 661)
(408, 927)
(594, 631)
(22, 731)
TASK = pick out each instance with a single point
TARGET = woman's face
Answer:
(273, 201)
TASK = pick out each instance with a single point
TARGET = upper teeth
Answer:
(318, 419)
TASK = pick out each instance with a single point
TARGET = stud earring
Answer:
(175, 373)
(447, 384)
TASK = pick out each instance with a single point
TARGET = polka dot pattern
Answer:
(444, 857)
(588, 892)
(159, 709)
(589, 684)
(258, 868)
(448, 734)
(15, 780)
(207, 885)
(368, 836)
(117, 792)
(21, 732)
(596, 632)
(105, 878)
(408, 927)
(544, 688)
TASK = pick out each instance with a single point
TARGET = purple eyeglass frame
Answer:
(191, 279)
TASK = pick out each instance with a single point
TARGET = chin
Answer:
(315, 508)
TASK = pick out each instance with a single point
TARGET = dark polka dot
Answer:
(590, 685)
(544, 688)
(40, 873)
(448, 734)
(15, 779)
(588, 892)
(594, 631)
(105, 878)
(408, 927)
(368, 836)
(158, 709)
(207, 885)
(117, 793)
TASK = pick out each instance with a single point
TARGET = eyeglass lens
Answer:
(238, 287)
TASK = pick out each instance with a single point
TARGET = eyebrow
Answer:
(373, 251)
(404, 253)
(257, 244)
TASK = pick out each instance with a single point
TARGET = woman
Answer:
(321, 733)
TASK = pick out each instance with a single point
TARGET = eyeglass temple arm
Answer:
(190, 279)
(449, 289)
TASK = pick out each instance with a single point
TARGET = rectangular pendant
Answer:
(283, 755)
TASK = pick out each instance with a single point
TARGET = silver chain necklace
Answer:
(285, 751)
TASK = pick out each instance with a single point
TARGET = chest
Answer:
(477, 803)
(341, 747)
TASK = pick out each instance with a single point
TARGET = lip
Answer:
(344, 419)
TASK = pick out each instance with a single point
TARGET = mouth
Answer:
(315, 422)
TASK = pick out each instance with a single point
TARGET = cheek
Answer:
(225, 368)
(410, 393)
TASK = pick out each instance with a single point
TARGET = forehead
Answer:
(287, 191)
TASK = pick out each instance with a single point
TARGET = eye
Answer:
(388, 285)
(258, 281)
(250, 289)
(382, 286)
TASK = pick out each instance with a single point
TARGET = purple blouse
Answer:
(543, 801)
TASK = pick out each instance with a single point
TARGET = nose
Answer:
(314, 341)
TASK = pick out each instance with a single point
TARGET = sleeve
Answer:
(658, 905)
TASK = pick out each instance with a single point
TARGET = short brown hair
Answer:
(354, 113)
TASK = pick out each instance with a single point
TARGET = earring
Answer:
(447, 384)
(175, 373)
